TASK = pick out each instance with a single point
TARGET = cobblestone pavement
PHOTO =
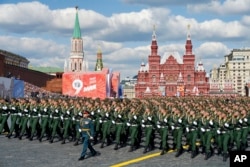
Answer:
(25, 153)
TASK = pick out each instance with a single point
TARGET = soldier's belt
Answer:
(55, 117)
(44, 115)
(148, 125)
(134, 124)
(244, 127)
(119, 123)
(207, 130)
(238, 128)
(85, 130)
(66, 118)
(192, 129)
(34, 116)
(4, 114)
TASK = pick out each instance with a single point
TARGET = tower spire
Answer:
(99, 64)
(154, 46)
(77, 29)
(188, 45)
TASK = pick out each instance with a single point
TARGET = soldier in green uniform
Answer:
(77, 110)
(119, 123)
(55, 124)
(45, 113)
(207, 125)
(133, 122)
(177, 129)
(3, 116)
(106, 124)
(163, 126)
(34, 117)
(237, 130)
(245, 124)
(13, 110)
(24, 118)
(66, 118)
(148, 123)
(86, 128)
(95, 116)
(192, 130)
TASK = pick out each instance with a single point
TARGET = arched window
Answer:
(80, 66)
(75, 66)
(188, 78)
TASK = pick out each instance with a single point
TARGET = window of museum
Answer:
(153, 78)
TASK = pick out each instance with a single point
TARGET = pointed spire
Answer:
(180, 79)
(188, 45)
(77, 29)
(99, 64)
(154, 34)
(154, 46)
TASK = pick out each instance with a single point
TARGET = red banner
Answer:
(85, 84)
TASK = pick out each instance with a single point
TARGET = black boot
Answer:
(116, 147)
(179, 152)
(162, 152)
(225, 157)
(31, 138)
(9, 135)
(102, 145)
(130, 149)
(40, 139)
(20, 137)
(207, 156)
(81, 158)
(63, 141)
(76, 143)
(193, 154)
(51, 140)
(145, 150)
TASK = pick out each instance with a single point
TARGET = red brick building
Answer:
(171, 75)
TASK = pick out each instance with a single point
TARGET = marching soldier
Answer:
(45, 118)
(245, 124)
(86, 128)
(177, 129)
(148, 123)
(77, 110)
(24, 118)
(13, 111)
(66, 118)
(34, 117)
(106, 124)
(3, 116)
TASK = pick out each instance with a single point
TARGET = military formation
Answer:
(206, 125)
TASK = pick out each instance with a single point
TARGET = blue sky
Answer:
(41, 30)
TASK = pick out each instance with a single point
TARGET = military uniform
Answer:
(86, 128)
(4, 117)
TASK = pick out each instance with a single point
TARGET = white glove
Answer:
(56, 110)
(79, 130)
(195, 123)
(143, 125)
(113, 121)
(73, 118)
(143, 121)
(187, 129)
(135, 117)
(226, 125)
(80, 113)
(39, 115)
(61, 117)
(29, 116)
(25, 110)
(20, 114)
(45, 109)
(180, 120)
(107, 114)
(92, 113)
(149, 118)
(119, 116)
(34, 110)
(50, 116)
(68, 112)
(158, 126)
(202, 129)
(172, 127)
(245, 119)
(158, 122)
(5, 107)
(218, 131)
(128, 124)
(91, 138)
(211, 122)
(13, 108)
(165, 120)
(240, 121)
(100, 121)
(98, 110)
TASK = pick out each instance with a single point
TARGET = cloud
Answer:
(224, 7)
(164, 2)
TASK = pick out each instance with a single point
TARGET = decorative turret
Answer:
(188, 45)
(162, 80)
(99, 64)
(154, 46)
(200, 67)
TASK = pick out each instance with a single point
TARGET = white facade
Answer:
(237, 69)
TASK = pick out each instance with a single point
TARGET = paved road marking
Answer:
(139, 159)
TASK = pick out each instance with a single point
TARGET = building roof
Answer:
(175, 54)
(47, 69)
(77, 29)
